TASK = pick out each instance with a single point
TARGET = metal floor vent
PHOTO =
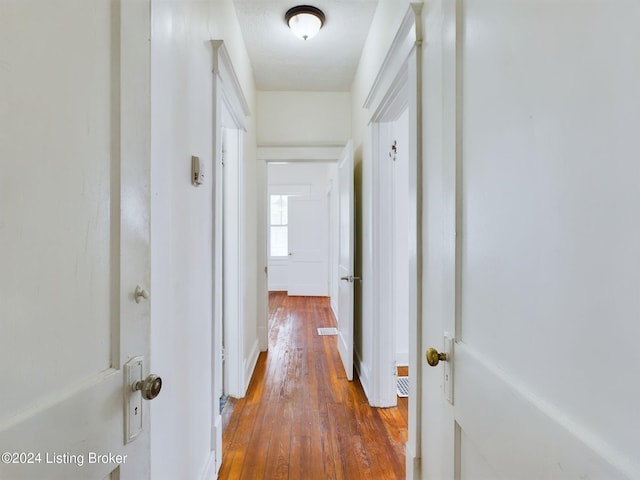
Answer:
(327, 331)
(403, 386)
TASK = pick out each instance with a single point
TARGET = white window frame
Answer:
(281, 225)
(289, 191)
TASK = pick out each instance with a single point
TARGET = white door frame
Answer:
(397, 86)
(227, 96)
(265, 155)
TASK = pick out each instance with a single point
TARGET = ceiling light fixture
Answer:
(304, 21)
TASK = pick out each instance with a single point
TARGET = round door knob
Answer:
(434, 357)
(149, 387)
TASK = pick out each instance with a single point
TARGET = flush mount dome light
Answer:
(304, 21)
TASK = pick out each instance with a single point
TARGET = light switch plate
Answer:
(133, 371)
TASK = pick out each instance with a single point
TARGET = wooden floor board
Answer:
(302, 418)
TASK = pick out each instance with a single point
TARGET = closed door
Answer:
(74, 236)
(532, 247)
(308, 245)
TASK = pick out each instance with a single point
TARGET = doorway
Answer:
(301, 228)
(395, 129)
(229, 109)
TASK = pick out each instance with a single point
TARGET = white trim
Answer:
(363, 373)
(234, 265)
(223, 68)
(334, 305)
(396, 99)
(289, 189)
(402, 359)
(262, 275)
(299, 154)
(211, 468)
(226, 93)
(403, 43)
(250, 363)
(398, 83)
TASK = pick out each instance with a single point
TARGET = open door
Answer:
(346, 259)
(74, 230)
(308, 270)
(532, 244)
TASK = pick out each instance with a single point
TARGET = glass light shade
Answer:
(305, 25)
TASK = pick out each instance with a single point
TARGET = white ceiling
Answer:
(326, 62)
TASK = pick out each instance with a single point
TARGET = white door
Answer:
(308, 246)
(532, 254)
(74, 238)
(346, 259)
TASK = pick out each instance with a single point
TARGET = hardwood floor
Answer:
(301, 419)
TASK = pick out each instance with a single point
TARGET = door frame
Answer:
(397, 86)
(227, 96)
(264, 156)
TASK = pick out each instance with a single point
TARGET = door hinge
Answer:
(266, 270)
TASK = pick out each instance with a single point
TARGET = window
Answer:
(278, 226)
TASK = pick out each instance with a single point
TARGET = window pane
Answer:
(276, 210)
(279, 242)
(285, 210)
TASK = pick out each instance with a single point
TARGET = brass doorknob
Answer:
(149, 387)
(434, 357)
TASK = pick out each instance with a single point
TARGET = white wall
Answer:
(303, 118)
(181, 290)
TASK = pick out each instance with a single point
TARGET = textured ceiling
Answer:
(326, 62)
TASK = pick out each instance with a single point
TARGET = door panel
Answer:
(534, 244)
(74, 222)
(308, 271)
(346, 259)
(473, 466)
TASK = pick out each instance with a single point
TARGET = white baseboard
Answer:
(275, 287)
(263, 337)
(250, 364)
(402, 359)
(211, 470)
(412, 463)
(363, 373)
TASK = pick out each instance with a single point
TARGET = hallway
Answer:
(301, 418)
